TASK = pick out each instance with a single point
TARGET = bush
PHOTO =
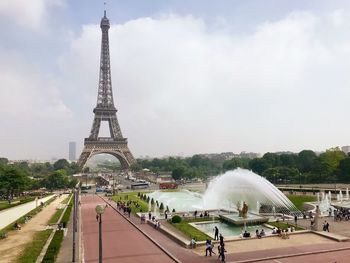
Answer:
(176, 219)
(173, 210)
(161, 208)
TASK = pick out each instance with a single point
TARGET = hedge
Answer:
(54, 247)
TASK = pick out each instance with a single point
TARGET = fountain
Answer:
(318, 197)
(340, 196)
(257, 207)
(347, 194)
(226, 190)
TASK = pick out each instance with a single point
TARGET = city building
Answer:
(72, 151)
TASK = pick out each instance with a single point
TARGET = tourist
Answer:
(96, 217)
(326, 226)
(193, 242)
(257, 234)
(246, 234)
(17, 226)
(274, 231)
(143, 219)
(153, 218)
(278, 231)
(295, 219)
(166, 215)
(158, 224)
(222, 252)
(216, 233)
(195, 214)
(208, 247)
(221, 239)
(149, 215)
(129, 210)
(262, 233)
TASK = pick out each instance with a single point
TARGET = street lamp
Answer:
(100, 210)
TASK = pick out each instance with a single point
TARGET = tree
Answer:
(178, 173)
(56, 180)
(61, 164)
(13, 180)
(344, 170)
(258, 165)
(306, 159)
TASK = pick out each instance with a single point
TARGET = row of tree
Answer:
(331, 166)
(18, 177)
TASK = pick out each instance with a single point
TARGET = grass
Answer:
(283, 225)
(190, 231)
(33, 249)
(299, 200)
(54, 247)
(54, 218)
(66, 200)
(58, 213)
(132, 196)
(66, 216)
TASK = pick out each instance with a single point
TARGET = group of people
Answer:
(125, 207)
(341, 214)
(205, 214)
(326, 226)
(209, 245)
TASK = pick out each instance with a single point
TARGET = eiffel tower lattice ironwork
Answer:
(105, 110)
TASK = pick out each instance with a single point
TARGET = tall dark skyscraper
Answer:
(72, 151)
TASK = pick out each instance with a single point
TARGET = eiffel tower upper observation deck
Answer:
(105, 110)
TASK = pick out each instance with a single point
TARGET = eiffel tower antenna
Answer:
(105, 110)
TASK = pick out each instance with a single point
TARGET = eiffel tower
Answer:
(105, 110)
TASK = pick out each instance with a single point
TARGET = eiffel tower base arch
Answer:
(119, 150)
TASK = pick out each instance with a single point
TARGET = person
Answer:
(96, 217)
(17, 226)
(295, 219)
(195, 214)
(208, 247)
(149, 215)
(274, 231)
(129, 210)
(246, 234)
(221, 239)
(278, 231)
(157, 224)
(193, 242)
(262, 233)
(216, 233)
(257, 234)
(222, 252)
(166, 215)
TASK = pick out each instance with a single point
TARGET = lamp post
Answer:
(100, 210)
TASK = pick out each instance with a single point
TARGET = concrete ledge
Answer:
(332, 236)
(172, 235)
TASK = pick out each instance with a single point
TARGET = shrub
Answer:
(173, 210)
(147, 199)
(161, 208)
(152, 201)
(176, 219)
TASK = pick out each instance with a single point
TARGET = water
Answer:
(232, 187)
(226, 191)
(228, 230)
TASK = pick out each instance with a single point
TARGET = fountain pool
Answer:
(228, 230)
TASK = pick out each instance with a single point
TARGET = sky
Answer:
(188, 77)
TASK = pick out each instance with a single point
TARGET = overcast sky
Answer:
(188, 76)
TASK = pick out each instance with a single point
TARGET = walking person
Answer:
(295, 220)
(216, 233)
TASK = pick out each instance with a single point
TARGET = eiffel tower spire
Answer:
(105, 110)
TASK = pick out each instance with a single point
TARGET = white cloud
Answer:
(29, 14)
(183, 88)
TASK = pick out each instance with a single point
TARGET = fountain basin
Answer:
(237, 220)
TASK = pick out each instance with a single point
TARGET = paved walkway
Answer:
(10, 215)
(13, 245)
(237, 251)
(122, 242)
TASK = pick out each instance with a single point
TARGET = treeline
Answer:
(18, 177)
(196, 166)
(331, 166)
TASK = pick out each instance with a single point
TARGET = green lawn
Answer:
(298, 200)
(33, 249)
(54, 218)
(283, 225)
(132, 196)
(191, 231)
